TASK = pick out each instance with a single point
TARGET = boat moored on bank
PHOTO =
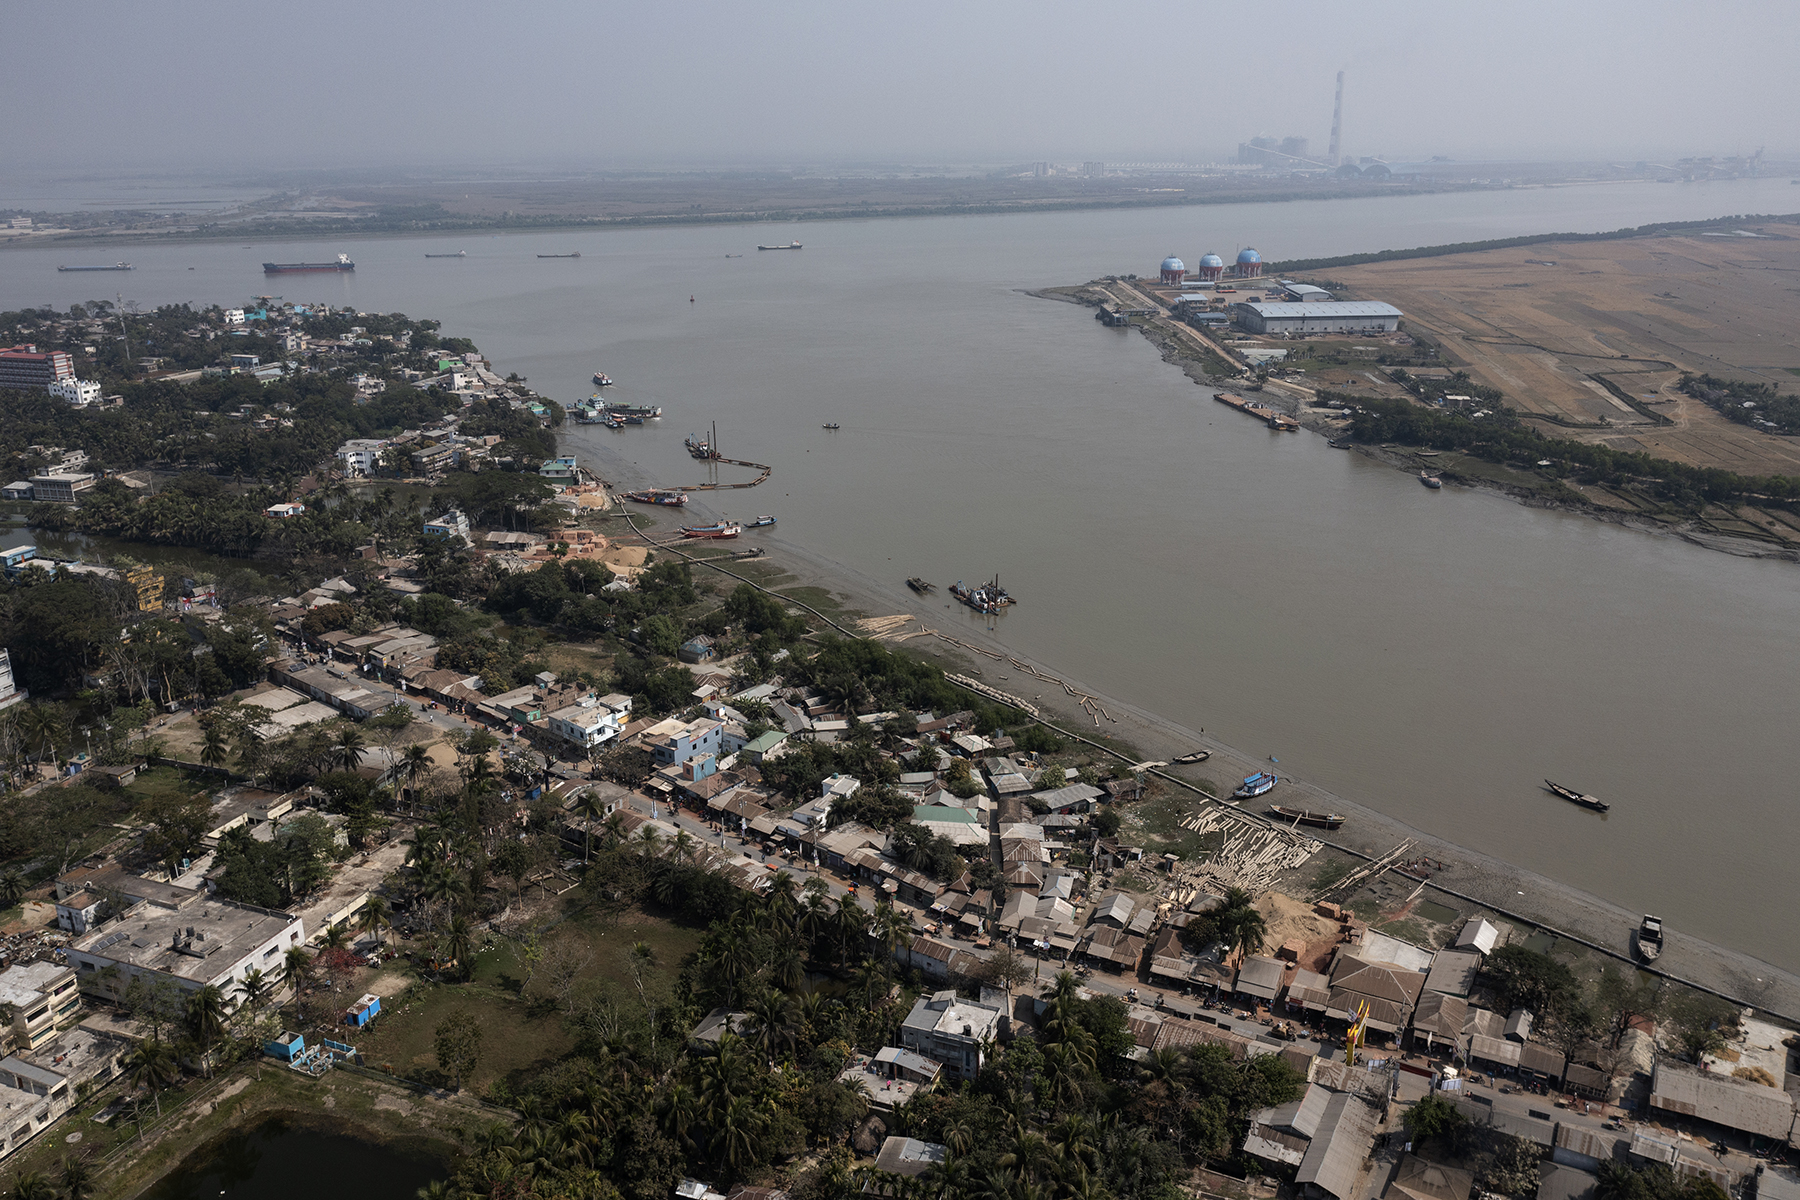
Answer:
(722, 530)
(650, 496)
(1650, 938)
(1259, 784)
(1301, 816)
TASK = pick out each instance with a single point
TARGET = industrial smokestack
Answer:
(1337, 120)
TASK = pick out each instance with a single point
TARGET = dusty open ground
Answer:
(1552, 325)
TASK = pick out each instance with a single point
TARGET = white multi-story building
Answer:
(951, 1031)
(79, 392)
(44, 998)
(10, 692)
(361, 456)
(452, 524)
(193, 944)
(590, 723)
(234, 316)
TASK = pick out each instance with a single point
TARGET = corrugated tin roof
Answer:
(1324, 308)
(1749, 1107)
(1261, 977)
(1334, 1159)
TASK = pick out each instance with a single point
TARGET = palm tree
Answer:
(375, 919)
(296, 966)
(739, 1136)
(459, 941)
(1245, 929)
(437, 1189)
(774, 1017)
(680, 1109)
(30, 1185)
(77, 1178)
(216, 752)
(12, 886)
(257, 987)
(415, 763)
(152, 1066)
(206, 1012)
(347, 749)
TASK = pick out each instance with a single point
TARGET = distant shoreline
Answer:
(350, 231)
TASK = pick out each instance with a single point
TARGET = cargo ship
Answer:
(1258, 784)
(343, 263)
(112, 267)
(789, 246)
(577, 254)
(722, 531)
(635, 410)
(458, 254)
(674, 499)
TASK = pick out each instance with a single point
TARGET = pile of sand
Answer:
(1290, 919)
(625, 560)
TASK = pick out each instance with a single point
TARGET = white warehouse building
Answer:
(1323, 316)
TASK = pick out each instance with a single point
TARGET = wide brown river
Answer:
(1434, 656)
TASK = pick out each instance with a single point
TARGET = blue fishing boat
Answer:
(1256, 785)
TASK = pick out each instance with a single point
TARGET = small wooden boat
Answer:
(602, 380)
(833, 425)
(1301, 816)
(1430, 481)
(762, 521)
(1575, 797)
(920, 586)
(1197, 756)
(1650, 938)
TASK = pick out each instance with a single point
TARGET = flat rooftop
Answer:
(145, 937)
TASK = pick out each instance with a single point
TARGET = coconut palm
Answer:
(206, 1013)
(739, 1136)
(415, 764)
(375, 920)
(257, 987)
(458, 944)
(12, 886)
(348, 748)
(31, 1185)
(216, 751)
(77, 1178)
(152, 1066)
(773, 1014)
(296, 967)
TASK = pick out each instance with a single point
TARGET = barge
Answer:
(342, 263)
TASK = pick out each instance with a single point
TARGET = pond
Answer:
(282, 1159)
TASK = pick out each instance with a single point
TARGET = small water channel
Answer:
(282, 1160)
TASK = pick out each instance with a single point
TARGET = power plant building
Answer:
(1320, 316)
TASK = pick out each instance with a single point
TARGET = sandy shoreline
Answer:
(1468, 873)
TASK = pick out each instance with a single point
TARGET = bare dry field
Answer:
(1553, 325)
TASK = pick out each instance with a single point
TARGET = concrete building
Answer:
(951, 1031)
(1304, 293)
(205, 941)
(559, 470)
(79, 392)
(1330, 316)
(1210, 268)
(1173, 271)
(281, 512)
(24, 368)
(13, 561)
(10, 692)
(361, 456)
(45, 1001)
(452, 524)
(587, 725)
(59, 489)
(670, 747)
(37, 1087)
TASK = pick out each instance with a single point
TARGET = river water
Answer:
(1431, 655)
(279, 1161)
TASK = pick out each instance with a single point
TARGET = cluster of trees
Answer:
(1062, 1113)
(1746, 403)
(1235, 922)
(1567, 1015)
(1500, 438)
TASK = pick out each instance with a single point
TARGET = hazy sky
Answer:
(573, 83)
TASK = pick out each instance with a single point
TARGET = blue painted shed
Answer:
(363, 1011)
(287, 1047)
